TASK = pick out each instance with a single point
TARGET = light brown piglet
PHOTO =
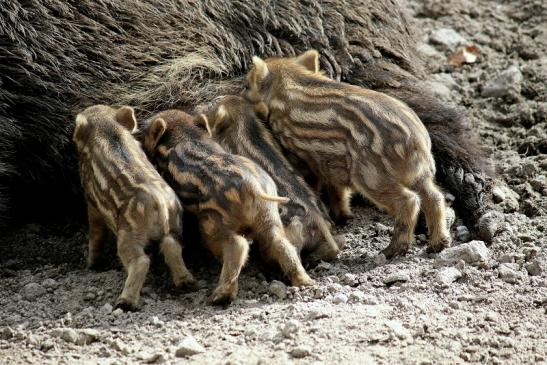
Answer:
(354, 138)
(127, 196)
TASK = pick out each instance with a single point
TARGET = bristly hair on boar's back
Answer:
(147, 54)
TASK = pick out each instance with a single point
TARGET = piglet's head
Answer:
(102, 121)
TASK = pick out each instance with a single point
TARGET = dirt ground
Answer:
(477, 302)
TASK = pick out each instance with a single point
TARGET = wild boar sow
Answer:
(354, 138)
(126, 195)
(230, 194)
(240, 129)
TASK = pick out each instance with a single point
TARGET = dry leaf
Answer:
(463, 55)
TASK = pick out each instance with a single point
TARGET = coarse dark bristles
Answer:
(58, 57)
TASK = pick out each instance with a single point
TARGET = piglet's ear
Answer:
(156, 131)
(203, 122)
(262, 111)
(260, 70)
(79, 125)
(126, 117)
(310, 60)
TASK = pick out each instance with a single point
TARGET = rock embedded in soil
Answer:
(188, 346)
(33, 291)
(450, 217)
(510, 273)
(498, 195)
(300, 352)
(472, 253)
(536, 267)
(448, 275)
(290, 328)
(489, 224)
(447, 37)
(400, 276)
(278, 289)
(508, 82)
(340, 298)
(463, 234)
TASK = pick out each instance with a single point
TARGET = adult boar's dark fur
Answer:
(57, 57)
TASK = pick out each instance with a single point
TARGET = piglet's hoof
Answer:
(186, 283)
(125, 305)
(303, 280)
(438, 246)
(395, 249)
(222, 298)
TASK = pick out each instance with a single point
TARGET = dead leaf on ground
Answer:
(468, 54)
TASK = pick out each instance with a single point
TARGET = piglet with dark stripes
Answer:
(354, 139)
(127, 196)
(231, 196)
(240, 128)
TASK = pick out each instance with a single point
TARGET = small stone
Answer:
(473, 252)
(450, 217)
(427, 50)
(154, 358)
(290, 328)
(325, 266)
(437, 89)
(395, 277)
(491, 316)
(89, 296)
(421, 237)
(155, 321)
(398, 329)
(506, 259)
(334, 288)
(120, 346)
(6, 333)
(88, 335)
(447, 37)
(506, 83)
(340, 298)
(449, 198)
(300, 352)
(50, 283)
(69, 335)
(106, 309)
(357, 296)
(278, 289)
(117, 312)
(448, 275)
(33, 291)
(463, 234)
(489, 225)
(188, 346)
(498, 195)
(536, 267)
(380, 259)
(510, 273)
(349, 279)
